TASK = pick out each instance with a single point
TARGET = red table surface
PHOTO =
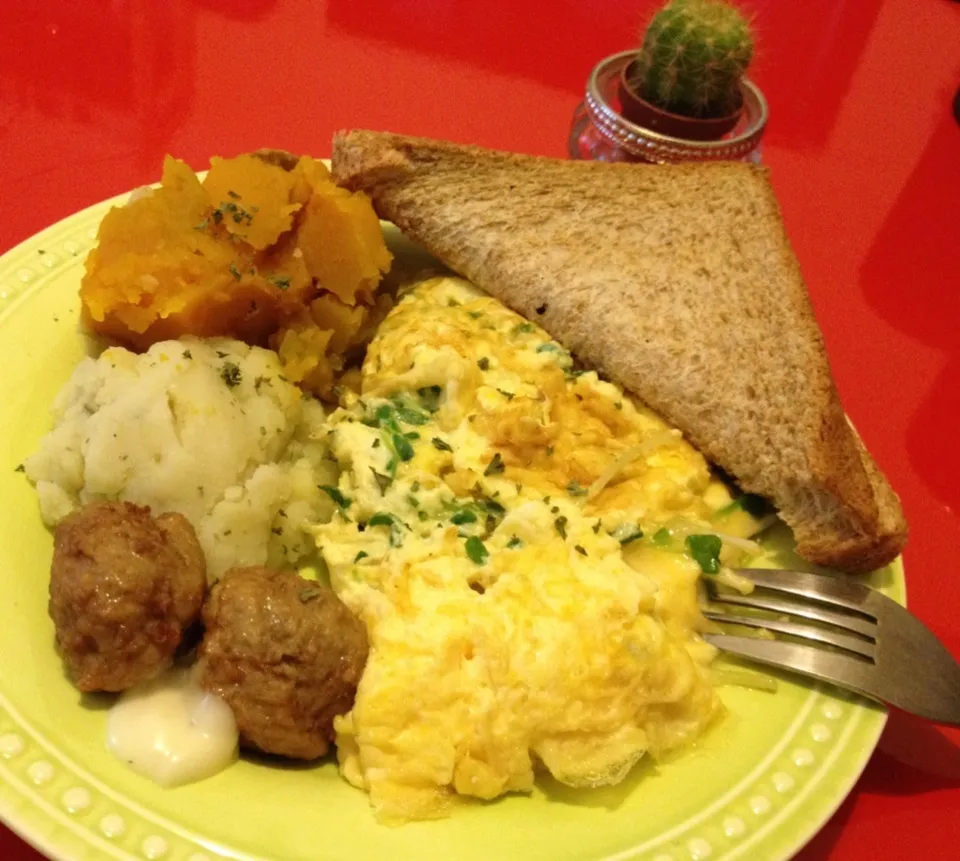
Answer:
(862, 143)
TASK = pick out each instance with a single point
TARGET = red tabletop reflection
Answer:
(862, 142)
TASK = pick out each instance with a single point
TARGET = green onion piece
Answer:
(465, 515)
(411, 417)
(705, 549)
(361, 555)
(575, 489)
(401, 445)
(441, 445)
(514, 543)
(662, 537)
(476, 550)
(341, 500)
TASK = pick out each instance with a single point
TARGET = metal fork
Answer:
(851, 635)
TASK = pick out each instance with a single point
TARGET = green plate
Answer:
(758, 786)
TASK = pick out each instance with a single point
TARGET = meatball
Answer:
(286, 654)
(124, 586)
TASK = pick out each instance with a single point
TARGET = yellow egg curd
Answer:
(524, 543)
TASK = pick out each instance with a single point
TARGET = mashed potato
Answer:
(211, 429)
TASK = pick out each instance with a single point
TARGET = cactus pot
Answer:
(642, 113)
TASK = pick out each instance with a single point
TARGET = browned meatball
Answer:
(286, 655)
(124, 586)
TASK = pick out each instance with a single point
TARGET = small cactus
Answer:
(693, 55)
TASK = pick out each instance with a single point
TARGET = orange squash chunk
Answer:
(255, 252)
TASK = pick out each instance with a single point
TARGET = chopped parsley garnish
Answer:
(476, 315)
(231, 374)
(515, 543)
(575, 489)
(236, 212)
(483, 363)
(496, 465)
(310, 593)
(342, 501)
(234, 271)
(561, 526)
(550, 347)
(524, 329)
(705, 549)
(579, 549)
(187, 354)
(465, 515)
(440, 444)
(233, 194)
(476, 550)
(281, 282)
(508, 395)
(361, 555)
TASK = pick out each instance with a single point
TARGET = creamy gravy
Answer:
(172, 731)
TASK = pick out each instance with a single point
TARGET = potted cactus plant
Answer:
(686, 79)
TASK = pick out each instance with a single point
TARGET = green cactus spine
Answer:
(693, 56)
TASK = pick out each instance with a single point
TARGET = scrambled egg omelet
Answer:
(523, 542)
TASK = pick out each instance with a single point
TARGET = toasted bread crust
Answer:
(644, 272)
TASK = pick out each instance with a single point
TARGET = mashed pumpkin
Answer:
(270, 256)
(513, 533)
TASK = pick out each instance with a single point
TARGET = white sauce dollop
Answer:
(172, 731)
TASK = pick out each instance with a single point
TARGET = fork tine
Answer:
(805, 632)
(830, 590)
(845, 621)
(852, 673)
